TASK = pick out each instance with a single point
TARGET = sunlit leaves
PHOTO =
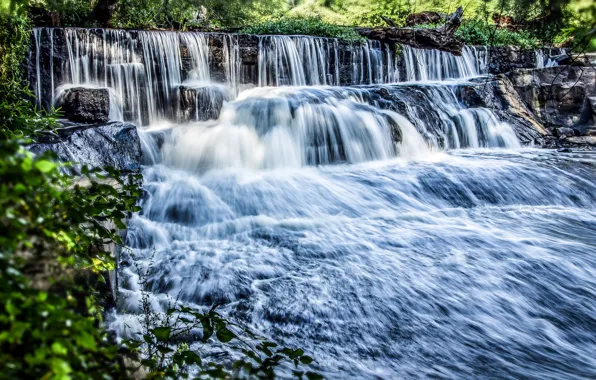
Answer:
(52, 330)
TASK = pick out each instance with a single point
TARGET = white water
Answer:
(543, 60)
(390, 230)
(435, 65)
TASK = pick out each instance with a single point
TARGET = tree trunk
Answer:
(441, 38)
(103, 11)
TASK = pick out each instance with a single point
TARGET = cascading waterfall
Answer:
(372, 223)
(544, 60)
(297, 61)
(436, 65)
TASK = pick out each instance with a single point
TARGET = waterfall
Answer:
(106, 59)
(198, 49)
(145, 72)
(298, 185)
(233, 62)
(292, 127)
(297, 61)
(544, 60)
(436, 65)
(180, 77)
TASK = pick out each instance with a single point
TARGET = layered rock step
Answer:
(562, 98)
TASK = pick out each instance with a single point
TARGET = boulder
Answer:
(585, 141)
(499, 94)
(86, 105)
(558, 96)
(114, 144)
(563, 133)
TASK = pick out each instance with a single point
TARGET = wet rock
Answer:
(202, 103)
(564, 132)
(499, 94)
(504, 59)
(87, 105)
(582, 140)
(559, 96)
(114, 144)
(565, 150)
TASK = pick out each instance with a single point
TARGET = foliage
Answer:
(481, 33)
(52, 232)
(184, 14)
(311, 27)
(172, 344)
(316, 9)
(583, 26)
(17, 116)
(543, 18)
(72, 12)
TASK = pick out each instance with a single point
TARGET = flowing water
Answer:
(390, 230)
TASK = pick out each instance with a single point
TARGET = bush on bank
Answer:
(309, 27)
(541, 22)
(482, 33)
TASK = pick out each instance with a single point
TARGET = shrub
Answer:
(18, 117)
(481, 33)
(52, 236)
(311, 27)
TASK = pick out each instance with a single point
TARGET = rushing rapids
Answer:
(392, 230)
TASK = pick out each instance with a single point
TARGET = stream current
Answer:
(390, 230)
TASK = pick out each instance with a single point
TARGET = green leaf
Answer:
(164, 349)
(224, 335)
(191, 357)
(59, 349)
(207, 329)
(162, 333)
(306, 359)
(86, 340)
(45, 166)
(296, 353)
(314, 376)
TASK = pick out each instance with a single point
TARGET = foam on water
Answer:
(459, 266)
(390, 230)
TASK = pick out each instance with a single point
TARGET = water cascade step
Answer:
(144, 70)
(374, 208)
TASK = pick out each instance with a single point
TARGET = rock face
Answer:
(499, 95)
(113, 144)
(560, 97)
(202, 103)
(86, 105)
(503, 59)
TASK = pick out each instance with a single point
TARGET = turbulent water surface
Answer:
(470, 264)
(390, 230)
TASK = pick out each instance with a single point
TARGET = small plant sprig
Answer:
(171, 343)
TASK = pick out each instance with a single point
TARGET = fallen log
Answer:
(441, 38)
